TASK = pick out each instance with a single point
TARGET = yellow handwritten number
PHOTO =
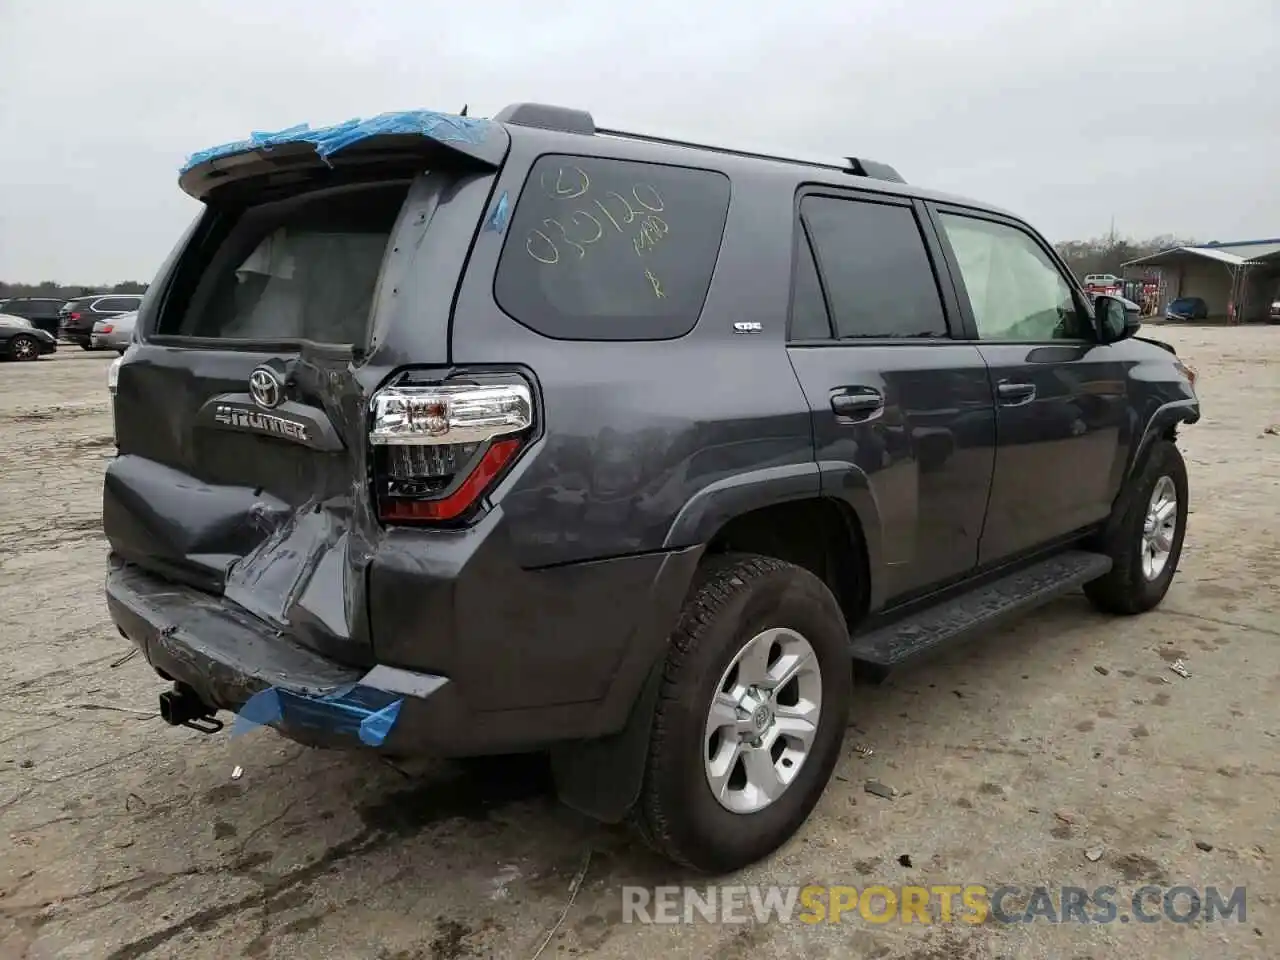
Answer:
(605, 211)
(651, 192)
(596, 223)
(550, 245)
(631, 211)
(582, 251)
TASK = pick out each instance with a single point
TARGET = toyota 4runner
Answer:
(455, 436)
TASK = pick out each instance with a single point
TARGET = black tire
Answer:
(23, 347)
(1126, 590)
(738, 596)
(88, 347)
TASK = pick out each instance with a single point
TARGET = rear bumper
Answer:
(226, 656)
(75, 334)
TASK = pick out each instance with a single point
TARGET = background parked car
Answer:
(1187, 308)
(77, 317)
(114, 333)
(20, 339)
(41, 311)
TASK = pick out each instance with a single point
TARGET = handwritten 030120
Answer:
(596, 216)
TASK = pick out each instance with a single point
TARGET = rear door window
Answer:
(875, 269)
(603, 249)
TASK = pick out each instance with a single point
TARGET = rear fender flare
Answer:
(714, 505)
(708, 510)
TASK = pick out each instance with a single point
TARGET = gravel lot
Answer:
(1014, 756)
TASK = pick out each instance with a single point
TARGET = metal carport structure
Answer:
(1237, 281)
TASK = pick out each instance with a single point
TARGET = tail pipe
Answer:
(182, 707)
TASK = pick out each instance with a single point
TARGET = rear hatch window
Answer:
(302, 268)
(602, 249)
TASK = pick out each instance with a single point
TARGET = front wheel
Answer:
(23, 347)
(751, 714)
(1146, 540)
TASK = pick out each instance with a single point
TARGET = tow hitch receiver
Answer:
(182, 707)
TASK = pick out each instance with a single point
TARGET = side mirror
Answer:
(1113, 320)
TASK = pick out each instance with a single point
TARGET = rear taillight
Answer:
(107, 328)
(437, 448)
(73, 316)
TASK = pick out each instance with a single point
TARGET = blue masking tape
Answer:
(444, 127)
(352, 710)
(497, 221)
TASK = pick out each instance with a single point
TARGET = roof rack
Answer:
(568, 120)
(546, 117)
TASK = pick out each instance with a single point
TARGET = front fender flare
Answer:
(1166, 415)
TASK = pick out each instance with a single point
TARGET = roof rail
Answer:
(547, 117)
(860, 167)
(569, 120)
(672, 142)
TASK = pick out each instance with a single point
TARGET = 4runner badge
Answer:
(266, 387)
(229, 415)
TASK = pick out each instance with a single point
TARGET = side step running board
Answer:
(978, 611)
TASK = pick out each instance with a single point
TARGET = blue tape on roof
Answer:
(445, 127)
(497, 221)
(353, 710)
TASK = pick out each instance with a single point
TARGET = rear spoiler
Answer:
(413, 138)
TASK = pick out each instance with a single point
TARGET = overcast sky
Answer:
(1164, 115)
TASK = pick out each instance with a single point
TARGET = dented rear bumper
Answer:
(235, 662)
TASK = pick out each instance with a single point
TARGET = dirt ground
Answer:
(1013, 756)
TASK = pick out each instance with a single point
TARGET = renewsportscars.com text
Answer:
(939, 903)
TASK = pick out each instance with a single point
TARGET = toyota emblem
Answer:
(266, 387)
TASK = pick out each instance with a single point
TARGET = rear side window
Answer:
(604, 249)
(302, 268)
(875, 269)
(117, 303)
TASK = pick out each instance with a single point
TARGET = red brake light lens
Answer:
(107, 328)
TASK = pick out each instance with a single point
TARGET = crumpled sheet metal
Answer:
(444, 127)
(352, 710)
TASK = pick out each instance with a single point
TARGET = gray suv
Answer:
(456, 436)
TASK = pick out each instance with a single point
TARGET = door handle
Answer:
(860, 403)
(1015, 394)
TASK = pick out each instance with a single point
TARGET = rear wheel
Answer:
(751, 715)
(1146, 542)
(23, 347)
